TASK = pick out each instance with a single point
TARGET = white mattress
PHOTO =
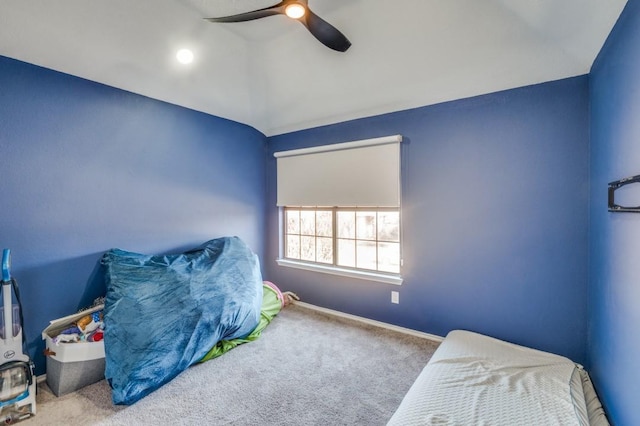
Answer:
(478, 380)
(595, 411)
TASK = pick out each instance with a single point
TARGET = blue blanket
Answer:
(163, 313)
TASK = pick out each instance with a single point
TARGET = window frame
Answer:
(334, 268)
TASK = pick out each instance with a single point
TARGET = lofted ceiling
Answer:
(273, 75)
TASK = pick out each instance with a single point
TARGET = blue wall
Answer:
(495, 217)
(614, 290)
(86, 167)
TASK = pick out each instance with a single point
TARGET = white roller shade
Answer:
(351, 174)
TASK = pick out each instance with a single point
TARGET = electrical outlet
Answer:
(395, 297)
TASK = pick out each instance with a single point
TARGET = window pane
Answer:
(346, 224)
(324, 250)
(308, 222)
(389, 226)
(293, 221)
(347, 253)
(324, 223)
(389, 257)
(366, 225)
(361, 239)
(308, 248)
(366, 255)
(293, 246)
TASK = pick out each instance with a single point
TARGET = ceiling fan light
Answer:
(295, 10)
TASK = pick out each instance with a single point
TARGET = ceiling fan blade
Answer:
(277, 9)
(326, 33)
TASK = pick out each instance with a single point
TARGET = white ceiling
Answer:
(273, 75)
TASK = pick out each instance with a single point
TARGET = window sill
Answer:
(370, 276)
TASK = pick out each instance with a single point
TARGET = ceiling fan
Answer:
(326, 33)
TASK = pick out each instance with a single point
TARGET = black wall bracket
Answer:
(613, 207)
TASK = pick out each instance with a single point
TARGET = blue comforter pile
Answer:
(163, 313)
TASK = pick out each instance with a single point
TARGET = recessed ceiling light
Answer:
(184, 56)
(295, 10)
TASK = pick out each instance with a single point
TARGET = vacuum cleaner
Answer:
(17, 381)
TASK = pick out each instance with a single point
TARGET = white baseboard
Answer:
(41, 378)
(381, 324)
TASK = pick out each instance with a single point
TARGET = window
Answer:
(359, 234)
(366, 239)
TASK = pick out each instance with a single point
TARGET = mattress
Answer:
(595, 411)
(476, 379)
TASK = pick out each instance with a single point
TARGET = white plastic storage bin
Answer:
(71, 366)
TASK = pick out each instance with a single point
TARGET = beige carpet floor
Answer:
(308, 368)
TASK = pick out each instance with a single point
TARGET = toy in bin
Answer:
(86, 329)
(17, 381)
